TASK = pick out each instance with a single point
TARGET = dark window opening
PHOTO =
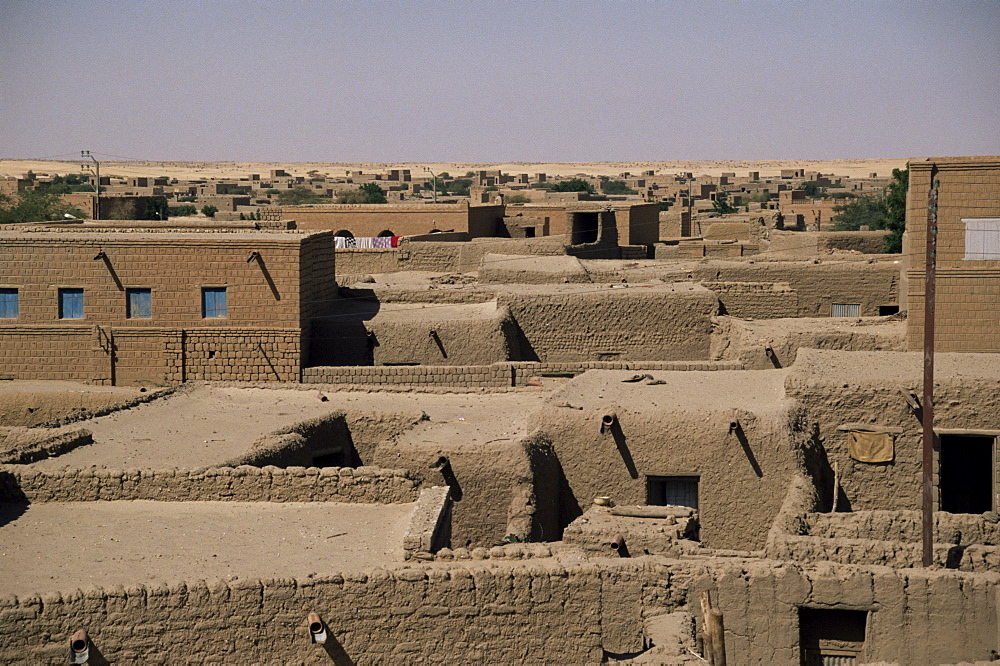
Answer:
(886, 310)
(344, 233)
(966, 478)
(9, 306)
(138, 303)
(831, 637)
(385, 234)
(672, 491)
(584, 227)
(529, 232)
(213, 302)
(71, 303)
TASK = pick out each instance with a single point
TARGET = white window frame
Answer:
(982, 238)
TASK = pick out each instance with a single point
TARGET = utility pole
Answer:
(927, 408)
(97, 181)
(433, 183)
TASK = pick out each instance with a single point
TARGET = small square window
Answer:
(71, 303)
(139, 303)
(213, 302)
(672, 491)
(982, 238)
(8, 303)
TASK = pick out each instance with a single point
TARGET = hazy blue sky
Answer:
(497, 81)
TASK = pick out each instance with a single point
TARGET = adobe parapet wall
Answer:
(541, 610)
(497, 375)
(367, 485)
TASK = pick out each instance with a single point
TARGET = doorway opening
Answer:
(966, 473)
(831, 636)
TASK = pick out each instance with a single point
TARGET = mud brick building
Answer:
(361, 220)
(968, 252)
(160, 308)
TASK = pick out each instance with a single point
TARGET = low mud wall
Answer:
(503, 611)
(369, 485)
(469, 614)
(497, 375)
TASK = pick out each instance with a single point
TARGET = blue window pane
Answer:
(139, 303)
(71, 303)
(8, 303)
(213, 302)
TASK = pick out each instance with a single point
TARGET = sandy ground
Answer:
(201, 426)
(456, 419)
(65, 546)
(191, 170)
(196, 427)
(692, 391)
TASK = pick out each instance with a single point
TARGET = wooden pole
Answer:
(713, 632)
(927, 408)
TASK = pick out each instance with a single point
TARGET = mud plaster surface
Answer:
(65, 546)
(192, 428)
(691, 391)
(172, 432)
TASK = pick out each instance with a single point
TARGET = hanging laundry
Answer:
(383, 242)
(395, 241)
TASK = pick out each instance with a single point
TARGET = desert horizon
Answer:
(224, 169)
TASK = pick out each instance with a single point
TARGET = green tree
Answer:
(209, 211)
(517, 199)
(867, 211)
(298, 196)
(895, 209)
(369, 193)
(812, 189)
(574, 185)
(460, 187)
(187, 210)
(35, 206)
(721, 204)
(609, 186)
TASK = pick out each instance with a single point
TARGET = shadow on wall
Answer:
(321, 442)
(342, 338)
(554, 503)
(821, 473)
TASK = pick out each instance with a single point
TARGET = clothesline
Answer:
(377, 242)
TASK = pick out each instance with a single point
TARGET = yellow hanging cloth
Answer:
(871, 447)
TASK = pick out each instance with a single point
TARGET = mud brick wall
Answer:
(755, 300)
(470, 376)
(465, 613)
(916, 616)
(368, 485)
(968, 291)
(26, 353)
(818, 286)
(269, 301)
(633, 324)
(497, 375)
(672, 443)
(360, 262)
(867, 391)
(366, 220)
(239, 355)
